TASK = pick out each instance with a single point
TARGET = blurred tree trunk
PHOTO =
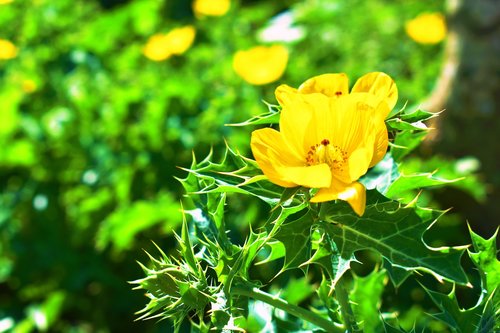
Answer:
(469, 90)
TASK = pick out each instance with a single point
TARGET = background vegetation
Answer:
(92, 133)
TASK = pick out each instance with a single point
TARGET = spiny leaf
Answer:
(405, 142)
(406, 183)
(462, 321)
(399, 124)
(417, 115)
(237, 174)
(412, 115)
(328, 256)
(382, 175)
(296, 237)
(366, 299)
(397, 274)
(485, 259)
(270, 117)
(395, 232)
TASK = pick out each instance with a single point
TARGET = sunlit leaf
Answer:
(236, 174)
(270, 117)
(366, 298)
(406, 183)
(460, 320)
(484, 257)
(393, 231)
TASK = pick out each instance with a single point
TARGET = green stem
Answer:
(294, 310)
(345, 306)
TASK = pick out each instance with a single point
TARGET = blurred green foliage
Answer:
(92, 133)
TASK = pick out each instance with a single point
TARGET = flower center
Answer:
(325, 152)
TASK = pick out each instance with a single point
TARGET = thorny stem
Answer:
(345, 306)
(294, 310)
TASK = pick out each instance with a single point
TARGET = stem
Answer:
(345, 306)
(294, 310)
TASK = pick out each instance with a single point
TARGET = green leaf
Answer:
(399, 124)
(461, 321)
(417, 115)
(397, 274)
(465, 168)
(329, 256)
(296, 237)
(297, 290)
(405, 183)
(395, 232)
(235, 174)
(270, 117)
(366, 299)
(382, 175)
(405, 142)
(485, 259)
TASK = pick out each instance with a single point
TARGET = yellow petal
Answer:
(181, 39)
(380, 145)
(348, 119)
(296, 115)
(211, 7)
(269, 150)
(309, 176)
(162, 46)
(283, 92)
(359, 162)
(354, 194)
(379, 84)
(261, 64)
(427, 28)
(7, 50)
(332, 85)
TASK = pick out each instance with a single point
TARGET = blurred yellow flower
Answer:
(211, 7)
(261, 64)
(7, 50)
(328, 137)
(162, 46)
(29, 86)
(427, 28)
(4, 2)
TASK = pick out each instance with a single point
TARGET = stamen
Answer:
(338, 93)
(324, 152)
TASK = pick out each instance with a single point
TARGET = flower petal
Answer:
(348, 122)
(296, 115)
(330, 85)
(283, 92)
(309, 176)
(269, 150)
(379, 84)
(380, 145)
(359, 162)
(261, 64)
(354, 194)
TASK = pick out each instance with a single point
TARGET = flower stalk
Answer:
(279, 303)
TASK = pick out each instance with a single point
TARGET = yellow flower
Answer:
(427, 28)
(261, 64)
(7, 50)
(29, 86)
(211, 7)
(328, 137)
(4, 2)
(162, 46)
